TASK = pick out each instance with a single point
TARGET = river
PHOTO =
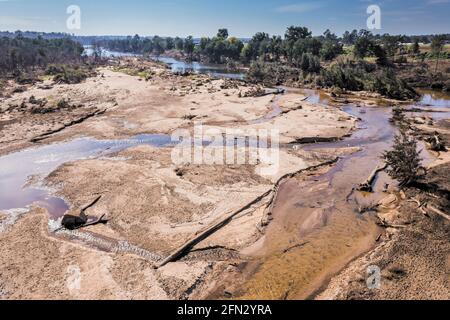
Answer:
(319, 217)
(179, 66)
(319, 222)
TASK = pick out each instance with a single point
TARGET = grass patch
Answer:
(141, 73)
(69, 74)
(45, 77)
(426, 48)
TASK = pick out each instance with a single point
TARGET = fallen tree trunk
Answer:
(367, 185)
(228, 218)
(299, 245)
(269, 207)
(274, 91)
(420, 110)
(93, 223)
(384, 224)
(435, 143)
(419, 205)
(65, 126)
(311, 140)
(291, 110)
(206, 233)
(89, 205)
(438, 212)
(71, 222)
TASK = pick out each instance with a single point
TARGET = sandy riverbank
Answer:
(414, 254)
(153, 205)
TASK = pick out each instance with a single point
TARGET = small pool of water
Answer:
(21, 173)
(178, 66)
(433, 98)
(213, 70)
(437, 102)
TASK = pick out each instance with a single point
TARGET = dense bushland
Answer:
(20, 54)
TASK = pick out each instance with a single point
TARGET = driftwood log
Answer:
(424, 110)
(299, 245)
(311, 140)
(367, 185)
(229, 217)
(210, 230)
(420, 205)
(438, 212)
(72, 222)
(435, 142)
(67, 125)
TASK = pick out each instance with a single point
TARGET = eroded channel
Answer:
(317, 227)
(22, 173)
(320, 222)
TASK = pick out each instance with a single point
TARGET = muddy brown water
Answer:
(317, 226)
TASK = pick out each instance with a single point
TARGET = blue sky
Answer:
(242, 17)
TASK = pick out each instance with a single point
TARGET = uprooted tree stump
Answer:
(367, 186)
(435, 142)
(72, 222)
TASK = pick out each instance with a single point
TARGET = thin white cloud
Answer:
(300, 7)
(22, 22)
(433, 2)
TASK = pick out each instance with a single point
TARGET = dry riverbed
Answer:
(414, 252)
(153, 205)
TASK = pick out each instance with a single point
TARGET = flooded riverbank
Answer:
(179, 66)
(320, 222)
(157, 206)
(22, 173)
(213, 70)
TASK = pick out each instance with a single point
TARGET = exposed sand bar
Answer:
(152, 204)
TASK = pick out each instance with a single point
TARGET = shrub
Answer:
(68, 74)
(403, 160)
(270, 73)
(344, 75)
(357, 76)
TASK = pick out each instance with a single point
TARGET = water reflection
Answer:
(213, 70)
(16, 169)
(178, 66)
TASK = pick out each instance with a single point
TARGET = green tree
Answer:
(416, 47)
(179, 44)
(328, 35)
(276, 48)
(349, 38)
(437, 45)
(380, 54)
(169, 43)
(391, 44)
(404, 159)
(222, 34)
(203, 44)
(296, 33)
(362, 47)
(158, 45)
(189, 47)
(256, 47)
